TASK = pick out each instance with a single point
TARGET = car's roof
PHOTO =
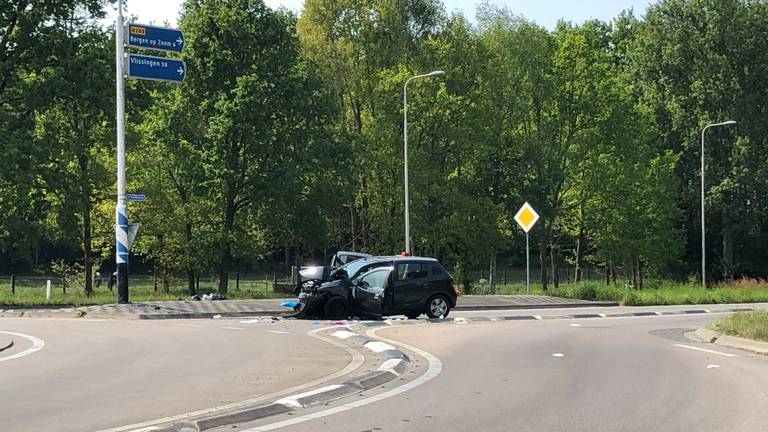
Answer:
(397, 258)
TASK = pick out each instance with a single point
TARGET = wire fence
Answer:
(518, 275)
(54, 287)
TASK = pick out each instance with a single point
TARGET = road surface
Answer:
(607, 374)
(93, 375)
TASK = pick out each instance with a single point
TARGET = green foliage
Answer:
(752, 325)
(286, 141)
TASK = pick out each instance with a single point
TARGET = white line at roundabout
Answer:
(37, 345)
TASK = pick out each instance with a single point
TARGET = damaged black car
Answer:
(381, 286)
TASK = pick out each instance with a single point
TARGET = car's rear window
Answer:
(438, 270)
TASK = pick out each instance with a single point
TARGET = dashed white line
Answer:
(278, 332)
(705, 350)
(37, 345)
(233, 328)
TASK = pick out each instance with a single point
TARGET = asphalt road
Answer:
(94, 375)
(608, 374)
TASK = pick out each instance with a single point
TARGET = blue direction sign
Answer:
(135, 197)
(155, 38)
(155, 68)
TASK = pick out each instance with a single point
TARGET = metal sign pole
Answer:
(121, 209)
(527, 267)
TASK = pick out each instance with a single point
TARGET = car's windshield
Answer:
(351, 269)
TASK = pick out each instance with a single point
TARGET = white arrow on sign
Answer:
(180, 41)
(180, 70)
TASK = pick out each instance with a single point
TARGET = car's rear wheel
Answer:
(438, 306)
(336, 308)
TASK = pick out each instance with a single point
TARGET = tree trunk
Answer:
(87, 226)
(553, 265)
(286, 254)
(226, 252)
(639, 273)
(492, 275)
(726, 260)
(191, 281)
(579, 252)
(543, 248)
(607, 274)
(190, 269)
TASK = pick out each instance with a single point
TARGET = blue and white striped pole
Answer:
(121, 210)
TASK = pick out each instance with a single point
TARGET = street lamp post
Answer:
(437, 73)
(703, 227)
(121, 209)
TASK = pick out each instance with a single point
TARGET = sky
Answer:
(543, 12)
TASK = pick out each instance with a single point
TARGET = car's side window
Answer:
(408, 271)
(375, 280)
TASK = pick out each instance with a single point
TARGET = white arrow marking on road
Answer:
(705, 350)
(37, 345)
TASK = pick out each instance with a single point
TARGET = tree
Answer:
(76, 131)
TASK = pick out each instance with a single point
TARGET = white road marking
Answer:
(378, 347)
(433, 370)
(233, 328)
(188, 325)
(538, 317)
(293, 401)
(278, 332)
(575, 325)
(705, 350)
(37, 345)
(344, 334)
(558, 355)
(713, 366)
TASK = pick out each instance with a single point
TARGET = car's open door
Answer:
(369, 288)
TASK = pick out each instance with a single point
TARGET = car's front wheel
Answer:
(336, 308)
(438, 306)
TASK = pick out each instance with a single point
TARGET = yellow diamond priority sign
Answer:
(526, 217)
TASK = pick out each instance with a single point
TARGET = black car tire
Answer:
(438, 306)
(336, 308)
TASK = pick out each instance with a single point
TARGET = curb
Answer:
(394, 365)
(711, 336)
(536, 306)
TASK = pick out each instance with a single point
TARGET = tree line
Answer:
(285, 143)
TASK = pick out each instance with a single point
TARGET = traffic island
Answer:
(393, 363)
(708, 335)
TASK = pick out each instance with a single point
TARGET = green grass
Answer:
(751, 325)
(657, 293)
(34, 295)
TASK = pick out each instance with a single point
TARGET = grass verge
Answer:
(658, 293)
(750, 325)
(28, 297)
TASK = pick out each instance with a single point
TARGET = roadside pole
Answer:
(121, 209)
(526, 217)
(527, 266)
